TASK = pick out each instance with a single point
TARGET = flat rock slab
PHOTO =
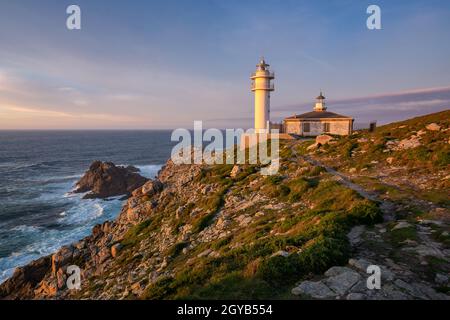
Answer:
(343, 282)
(402, 225)
(316, 290)
(360, 264)
(334, 271)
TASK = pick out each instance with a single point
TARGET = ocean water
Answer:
(38, 171)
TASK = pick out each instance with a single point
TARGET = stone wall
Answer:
(338, 127)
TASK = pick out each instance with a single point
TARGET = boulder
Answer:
(433, 127)
(323, 139)
(151, 187)
(25, 279)
(235, 171)
(61, 258)
(115, 249)
(104, 179)
(411, 143)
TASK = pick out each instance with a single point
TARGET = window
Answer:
(326, 127)
(306, 127)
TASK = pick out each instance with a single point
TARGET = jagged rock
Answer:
(433, 127)
(222, 223)
(235, 171)
(244, 220)
(343, 282)
(46, 289)
(60, 278)
(316, 290)
(151, 188)
(104, 179)
(61, 258)
(115, 249)
(412, 142)
(24, 279)
(104, 255)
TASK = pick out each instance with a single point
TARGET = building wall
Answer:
(338, 127)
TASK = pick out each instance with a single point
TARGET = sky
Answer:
(163, 64)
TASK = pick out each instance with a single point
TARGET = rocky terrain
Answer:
(337, 205)
(104, 180)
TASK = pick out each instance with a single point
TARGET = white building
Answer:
(262, 86)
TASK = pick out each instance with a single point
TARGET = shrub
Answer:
(366, 212)
(176, 249)
(284, 190)
(274, 180)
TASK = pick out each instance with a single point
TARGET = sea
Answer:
(39, 213)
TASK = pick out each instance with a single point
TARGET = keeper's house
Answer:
(317, 122)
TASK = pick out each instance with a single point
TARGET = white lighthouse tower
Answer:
(262, 86)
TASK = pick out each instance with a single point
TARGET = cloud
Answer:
(18, 112)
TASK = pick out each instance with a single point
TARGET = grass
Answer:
(315, 237)
(400, 235)
(432, 154)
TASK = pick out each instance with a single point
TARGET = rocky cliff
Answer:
(223, 231)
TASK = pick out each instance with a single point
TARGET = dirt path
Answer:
(386, 206)
(404, 261)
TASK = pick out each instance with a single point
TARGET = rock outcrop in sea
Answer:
(105, 179)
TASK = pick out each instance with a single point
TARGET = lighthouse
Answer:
(262, 86)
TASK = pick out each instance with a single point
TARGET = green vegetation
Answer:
(315, 238)
(400, 235)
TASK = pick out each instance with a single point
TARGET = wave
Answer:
(74, 220)
(149, 171)
(71, 225)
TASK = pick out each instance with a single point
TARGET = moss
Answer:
(400, 235)
(135, 233)
(273, 180)
(221, 243)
